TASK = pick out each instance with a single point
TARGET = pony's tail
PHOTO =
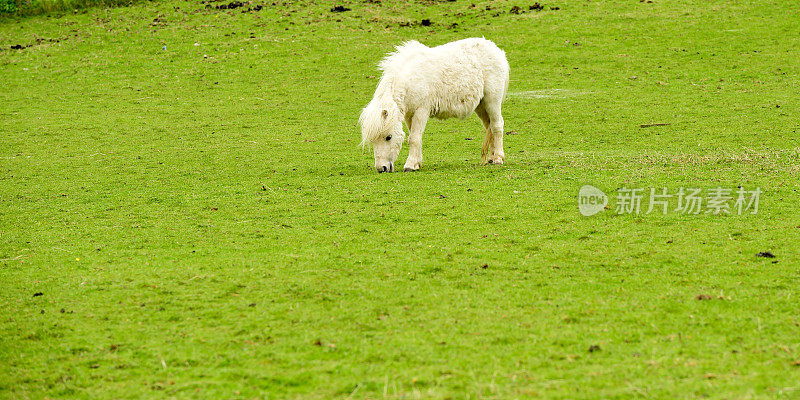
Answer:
(376, 118)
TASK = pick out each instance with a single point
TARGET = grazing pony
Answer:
(419, 82)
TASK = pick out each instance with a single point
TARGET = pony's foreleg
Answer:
(415, 130)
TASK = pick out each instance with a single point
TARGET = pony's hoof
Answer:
(496, 160)
(411, 165)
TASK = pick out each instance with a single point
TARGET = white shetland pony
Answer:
(419, 82)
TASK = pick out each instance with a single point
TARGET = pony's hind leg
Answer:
(493, 109)
(488, 140)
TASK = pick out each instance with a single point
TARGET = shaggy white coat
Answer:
(419, 82)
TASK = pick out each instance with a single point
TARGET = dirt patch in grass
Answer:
(233, 5)
(37, 42)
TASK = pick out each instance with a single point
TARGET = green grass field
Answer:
(185, 211)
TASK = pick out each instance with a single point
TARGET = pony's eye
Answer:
(388, 138)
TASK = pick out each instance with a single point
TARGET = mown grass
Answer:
(184, 188)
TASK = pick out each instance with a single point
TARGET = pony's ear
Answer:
(385, 114)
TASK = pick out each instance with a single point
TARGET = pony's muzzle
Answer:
(385, 168)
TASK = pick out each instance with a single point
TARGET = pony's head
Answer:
(382, 127)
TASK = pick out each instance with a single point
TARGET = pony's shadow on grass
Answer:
(359, 170)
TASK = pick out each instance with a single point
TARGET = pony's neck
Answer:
(386, 94)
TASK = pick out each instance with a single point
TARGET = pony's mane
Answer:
(400, 54)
